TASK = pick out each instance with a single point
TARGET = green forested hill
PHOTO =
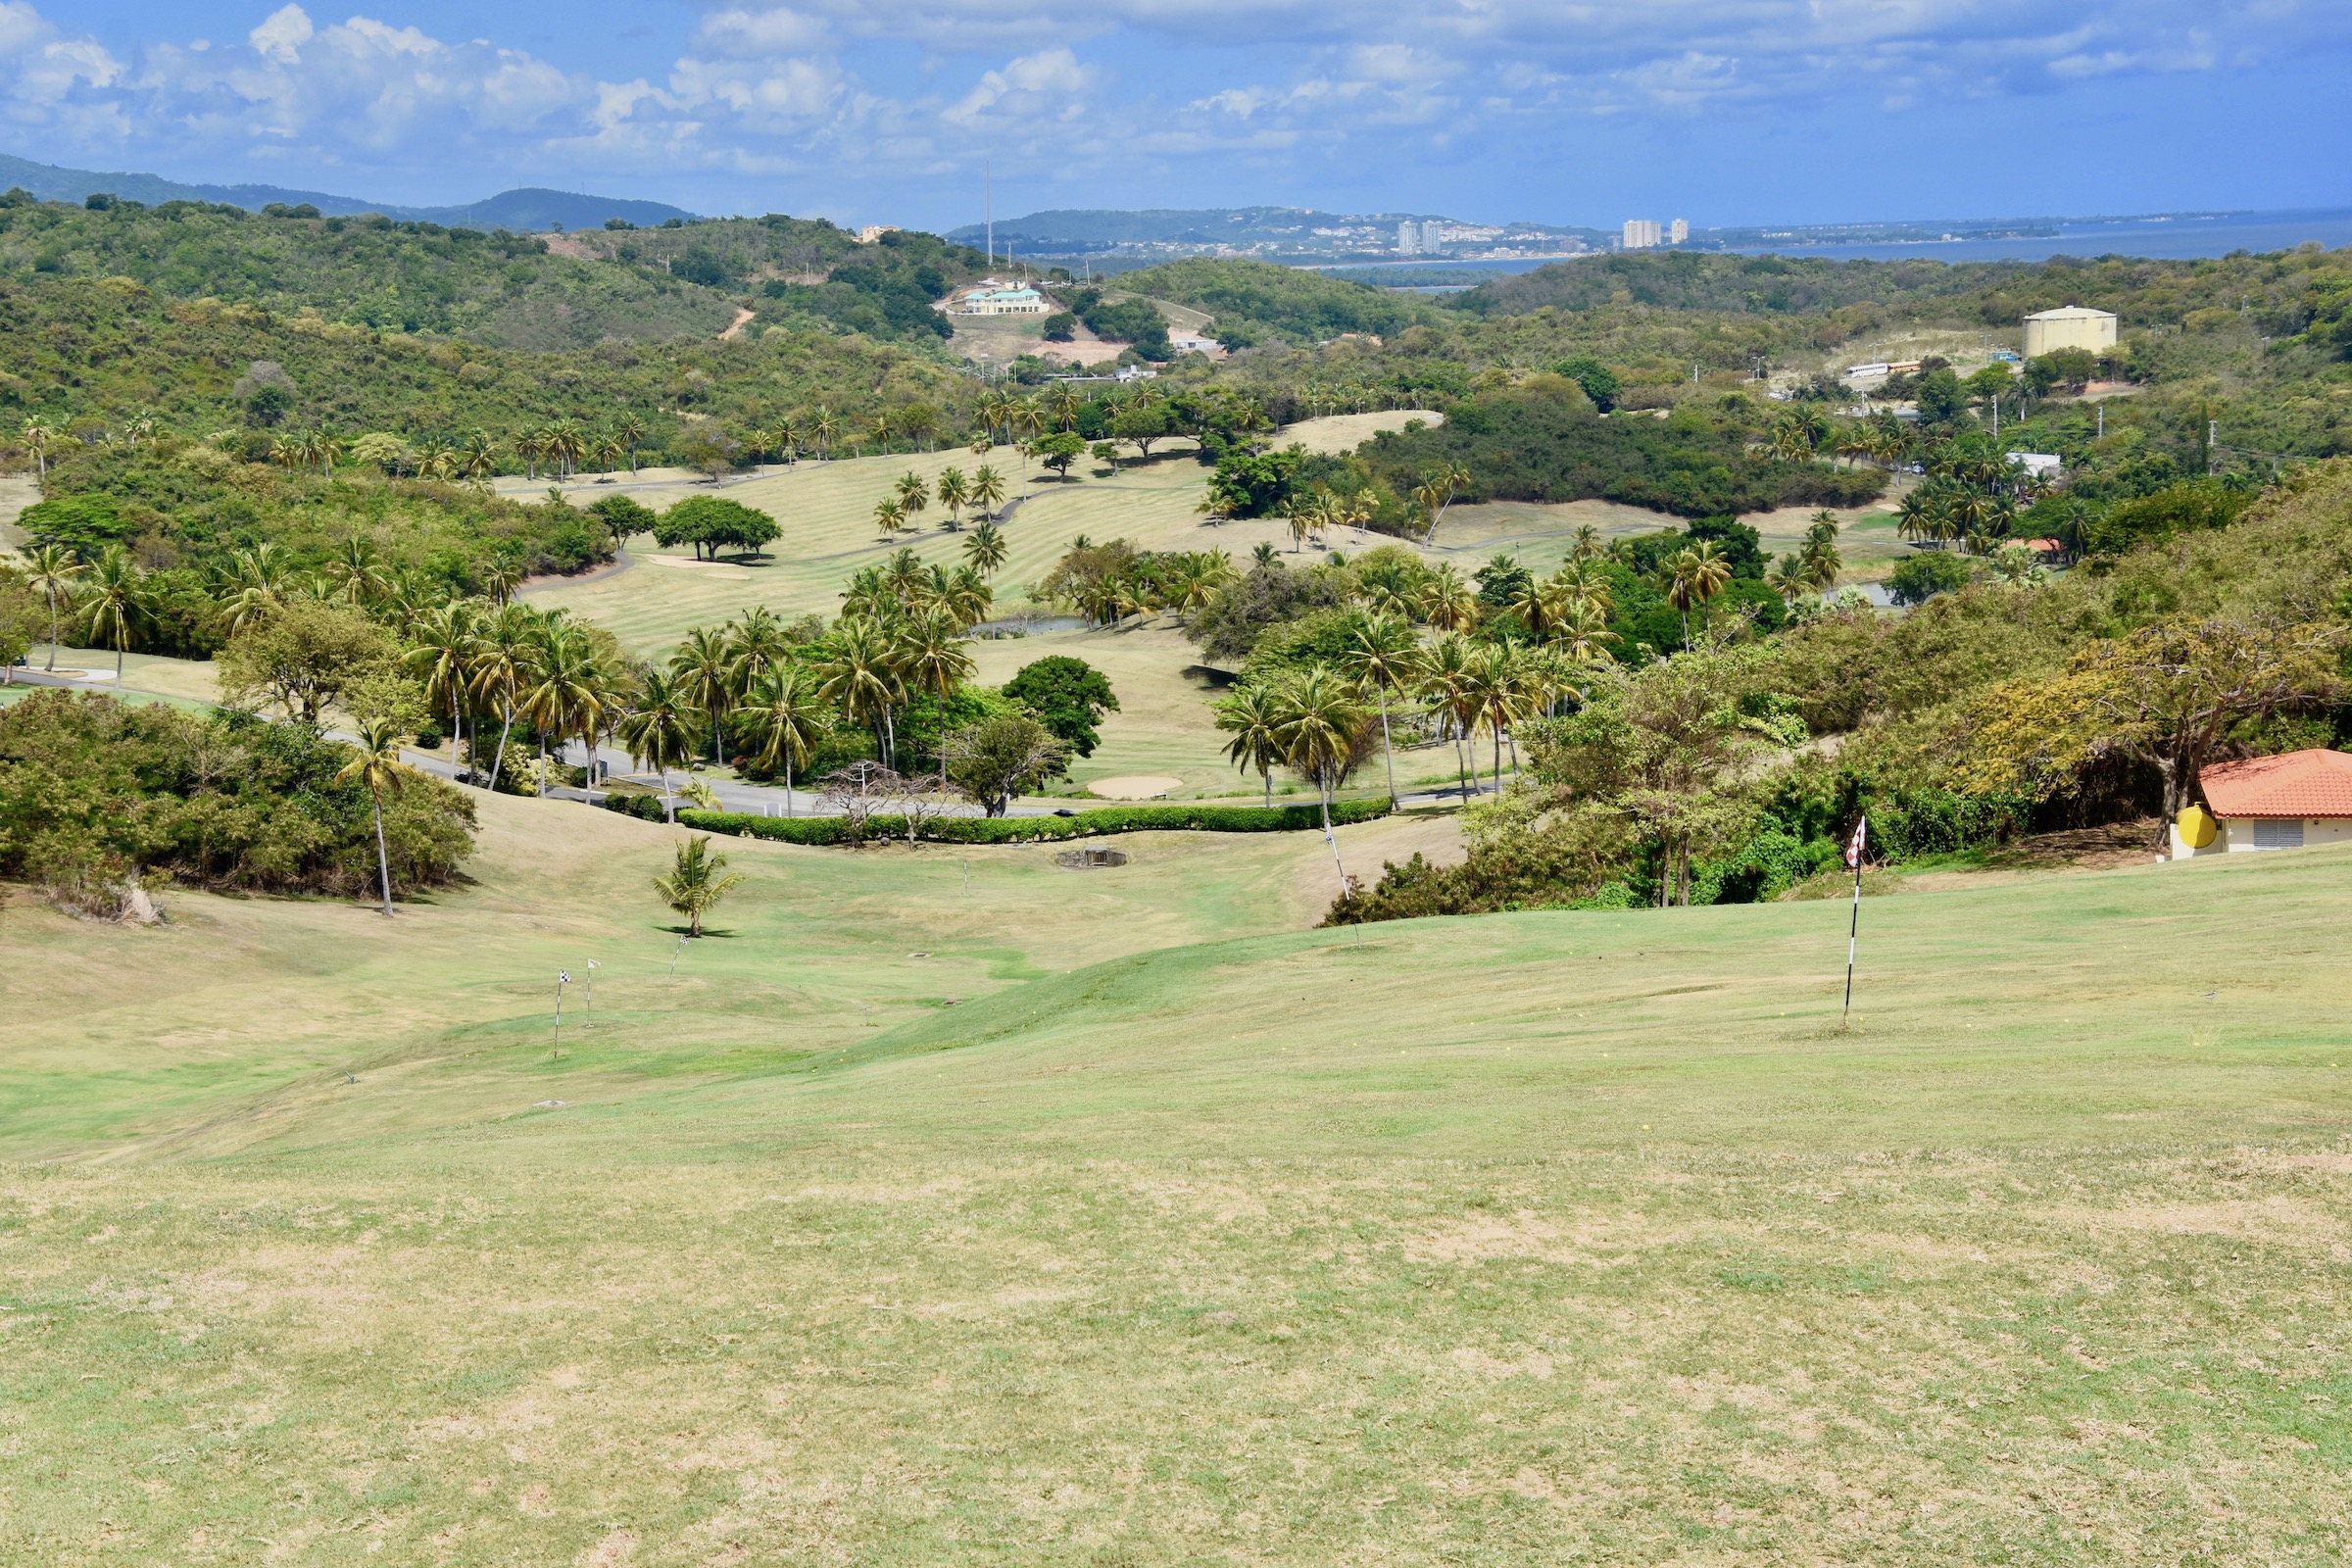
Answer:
(505, 290)
(94, 353)
(1256, 302)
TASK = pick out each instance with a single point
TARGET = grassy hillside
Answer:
(1518, 1238)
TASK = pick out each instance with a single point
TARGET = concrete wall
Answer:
(2236, 835)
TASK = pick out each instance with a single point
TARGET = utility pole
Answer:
(988, 208)
(2212, 430)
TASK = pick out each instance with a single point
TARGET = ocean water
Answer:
(2175, 238)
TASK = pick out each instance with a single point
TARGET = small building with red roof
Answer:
(2268, 803)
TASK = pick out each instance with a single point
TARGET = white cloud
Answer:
(282, 35)
(756, 33)
(1049, 82)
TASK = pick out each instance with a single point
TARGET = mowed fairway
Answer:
(826, 512)
(1186, 1234)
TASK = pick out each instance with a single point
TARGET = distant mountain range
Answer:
(520, 210)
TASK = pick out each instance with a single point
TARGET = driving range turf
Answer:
(1185, 1233)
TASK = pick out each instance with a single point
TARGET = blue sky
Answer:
(1563, 111)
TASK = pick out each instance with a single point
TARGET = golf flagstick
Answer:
(1854, 933)
(591, 1023)
(562, 979)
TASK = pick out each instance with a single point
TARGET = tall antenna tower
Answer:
(988, 207)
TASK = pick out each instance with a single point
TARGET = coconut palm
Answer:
(879, 429)
(955, 494)
(986, 549)
(1062, 404)
(861, 676)
(660, 731)
(694, 885)
(988, 491)
(503, 648)
(562, 697)
(1445, 600)
(1317, 722)
(757, 643)
(50, 570)
(914, 496)
(704, 666)
(376, 765)
(931, 656)
(966, 596)
(112, 600)
(826, 430)
(1694, 576)
(1251, 717)
(1436, 492)
(478, 456)
(1382, 654)
(889, 516)
(782, 722)
(1447, 681)
(38, 433)
(440, 654)
(630, 433)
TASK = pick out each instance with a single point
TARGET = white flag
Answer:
(592, 963)
(1853, 850)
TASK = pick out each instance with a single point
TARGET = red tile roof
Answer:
(2305, 784)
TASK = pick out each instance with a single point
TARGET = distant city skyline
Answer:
(1731, 112)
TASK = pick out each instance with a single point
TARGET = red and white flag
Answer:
(1853, 850)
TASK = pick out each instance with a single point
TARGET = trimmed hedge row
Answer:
(1039, 829)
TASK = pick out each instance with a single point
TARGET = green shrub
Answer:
(827, 830)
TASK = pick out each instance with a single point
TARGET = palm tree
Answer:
(861, 677)
(1317, 721)
(986, 549)
(879, 428)
(441, 655)
(914, 496)
(757, 643)
(1695, 575)
(1446, 602)
(503, 656)
(967, 596)
(1251, 717)
(111, 605)
(50, 570)
(361, 567)
(478, 456)
(954, 493)
(826, 430)
(1382, 654)
(1062, 404)
(784, 722)
(660, 730)
(630, 433)
(694, 885)
(890, 515)
(931, 656)
(378, 765)
(988, 491)
(704, 669)
(562, 699)
(38, 433)
(1448, 680)
(1436, 492)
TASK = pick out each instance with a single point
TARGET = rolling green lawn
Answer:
(1184, 1234)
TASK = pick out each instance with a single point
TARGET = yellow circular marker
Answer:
(2197, 827)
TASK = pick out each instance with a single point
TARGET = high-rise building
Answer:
(1677, 231)
(1640, 233)
(1408, 238)
(1433, 235)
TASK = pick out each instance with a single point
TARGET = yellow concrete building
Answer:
(2070, 326)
